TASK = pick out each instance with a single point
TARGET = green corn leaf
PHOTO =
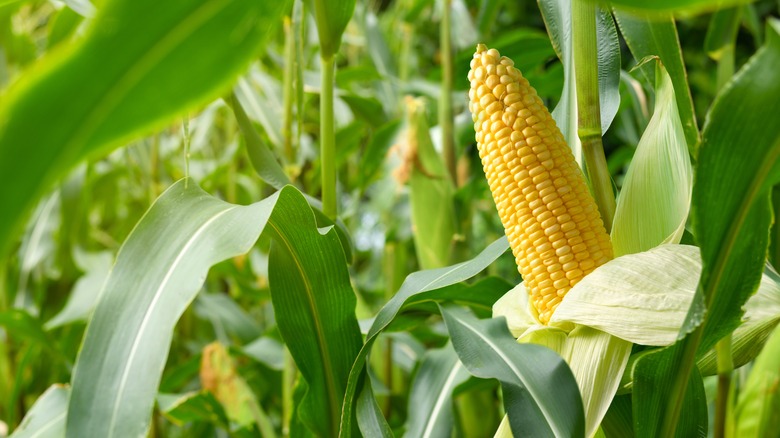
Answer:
(158, 272)
(314, 304)
(369, 417)
(731, 195)
(46, 418)
(657, 36)
(676, 6)
(418, 287)
(526, 372)
(183, 58)
(649, 399)
(653, 205)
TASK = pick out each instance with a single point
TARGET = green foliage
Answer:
(218, 218)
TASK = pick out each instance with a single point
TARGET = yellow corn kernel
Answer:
(550, 218)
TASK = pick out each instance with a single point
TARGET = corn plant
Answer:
(350, 218)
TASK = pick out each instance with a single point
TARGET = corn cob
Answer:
(552, 222)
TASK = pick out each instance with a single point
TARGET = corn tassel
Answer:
(552, 222)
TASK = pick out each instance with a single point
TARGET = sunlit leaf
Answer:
(653, 205)
(182, 59)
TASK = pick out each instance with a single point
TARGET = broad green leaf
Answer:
(526, 372)
(648, 35)
(676, 6)
(431, 193)
(332, 17)
(653, 204)
(418, 287)
(557, 17)
(731, 209)
(46, 418)
(192, 407)
(184, 58)
(652, 380)
(430, 396)
(314, 305)
(219, 376)
(759, 400)
(158, 271)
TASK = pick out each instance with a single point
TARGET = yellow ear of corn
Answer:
(550, 218)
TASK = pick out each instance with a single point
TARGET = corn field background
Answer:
(271, 218)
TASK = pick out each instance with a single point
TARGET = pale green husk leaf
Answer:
(642, 298)
(653, 205)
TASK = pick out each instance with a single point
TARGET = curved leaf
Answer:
(527, 373)
(187, 54)
(158, 272)
(418, 287)
(653, 205)
(46, 418)
(314, 304)
(731, 193)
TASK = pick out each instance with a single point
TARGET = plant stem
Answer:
(289, 91)
(588, 111)
(328, 140)
(725, 367)
(445, 97)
